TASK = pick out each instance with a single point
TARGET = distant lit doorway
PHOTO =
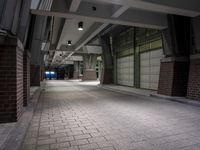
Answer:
(50, 75)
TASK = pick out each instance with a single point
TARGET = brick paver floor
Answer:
(73, 116)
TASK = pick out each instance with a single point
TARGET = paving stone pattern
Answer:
(5, 131)
(74, 116)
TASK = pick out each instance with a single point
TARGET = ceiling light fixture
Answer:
(69, 43)
(94, 8)
(80, 26)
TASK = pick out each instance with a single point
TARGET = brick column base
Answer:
(35, 75)
(89, 75)
(107, 76)
(11, 79)
(193, 91)
(76, 75)
(173, 77)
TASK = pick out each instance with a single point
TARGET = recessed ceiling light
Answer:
(80, 26)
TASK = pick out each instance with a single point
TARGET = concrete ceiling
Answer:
(141, 13)
(180, 7)
(71, 32)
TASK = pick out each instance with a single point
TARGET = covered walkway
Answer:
(99, 74)
(82, 116)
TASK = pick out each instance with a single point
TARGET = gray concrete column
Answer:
(42, 66)
(175, 67)
(99, 69)
(76, 70)
(36, 55)
(177, 37)
(89, 64)
(24, 21)
(15, 16)
(26, 73)
(107, 76)
(7, 11)
(196, 32)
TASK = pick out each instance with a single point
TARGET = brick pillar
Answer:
(11, 79)
(173, 76)
(193, 91)
(26, 71)
(35, 75)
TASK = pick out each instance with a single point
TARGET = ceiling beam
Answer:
(137, 18)
(92, 32)
(179, 7)
(58, 50)
(74, 5)
(120, 11)
(96, 28)
(192, 6)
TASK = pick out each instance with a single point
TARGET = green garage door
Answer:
(150, 69)
(125, 73)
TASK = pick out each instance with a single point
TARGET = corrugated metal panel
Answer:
(150, 69)
(45, 5)
(125, 71)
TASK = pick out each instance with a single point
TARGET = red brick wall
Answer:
(26, 71)
(20, 82)
(166, 78)
(11, 79)
(193, 91)
(35, 75)
(173, 78)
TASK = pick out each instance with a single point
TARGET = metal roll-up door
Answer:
(150, 69)
(125, 73)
